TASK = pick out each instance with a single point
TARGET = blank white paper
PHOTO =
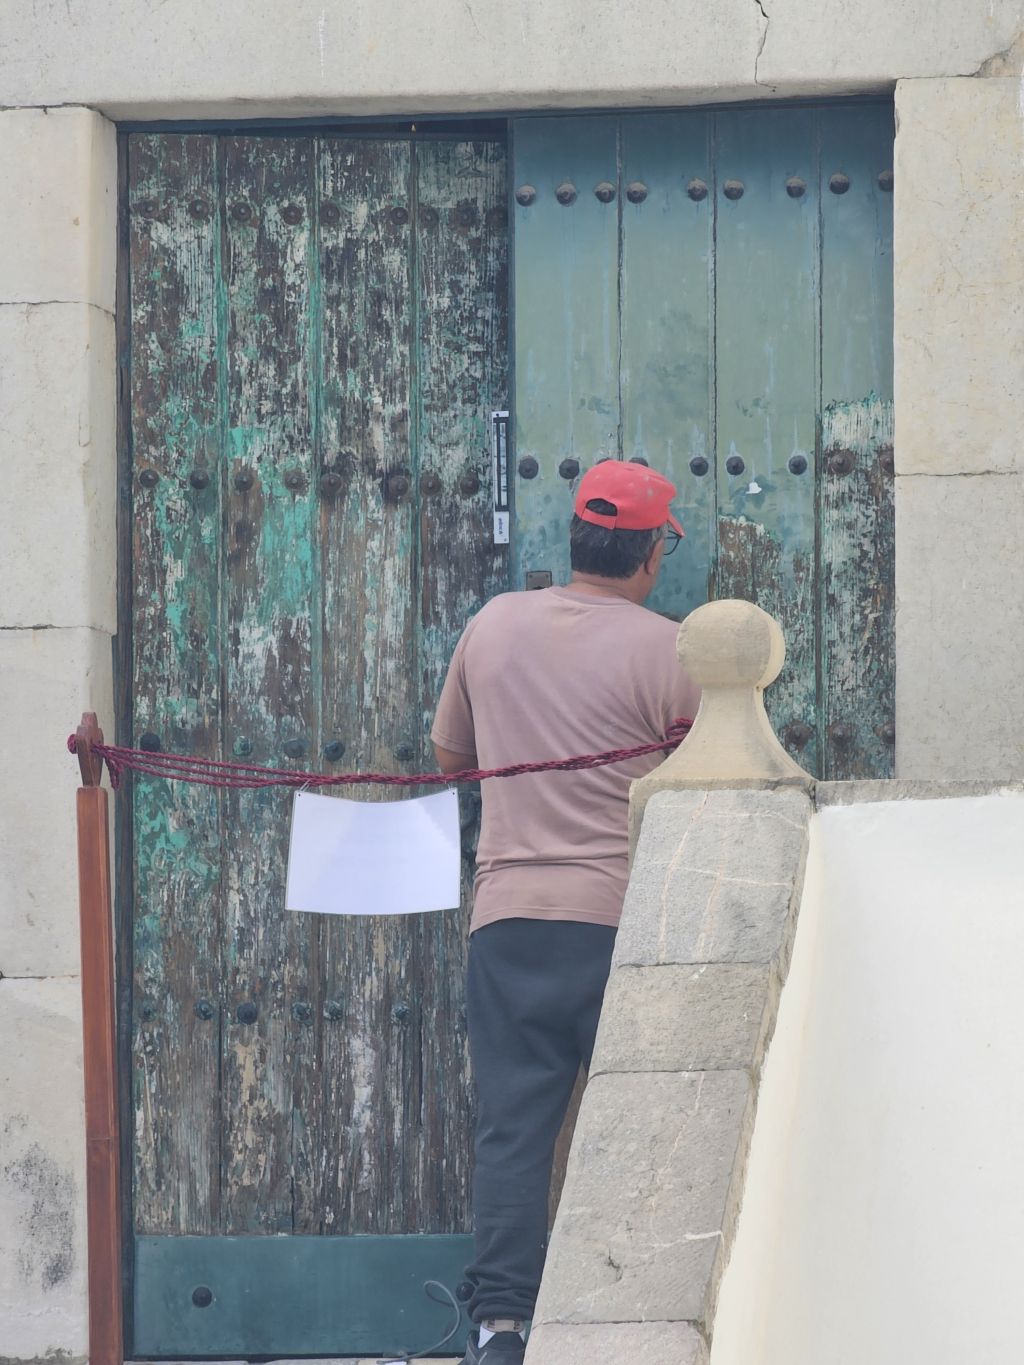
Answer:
(374, 857)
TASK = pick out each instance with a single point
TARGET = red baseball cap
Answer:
(640, 495)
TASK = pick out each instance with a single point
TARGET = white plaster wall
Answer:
(884, 1204)
(257, 57)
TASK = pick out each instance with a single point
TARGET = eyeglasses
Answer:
(672, 539)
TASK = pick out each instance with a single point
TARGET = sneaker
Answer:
(504, 1348)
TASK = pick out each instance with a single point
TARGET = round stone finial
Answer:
(731, 644)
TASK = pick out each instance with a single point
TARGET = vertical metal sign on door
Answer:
(317, 343)
(712, 292)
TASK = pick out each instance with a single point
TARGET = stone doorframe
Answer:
(959, 357)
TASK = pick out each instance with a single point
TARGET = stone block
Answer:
(372, 56)
(682, 1018)
(617, 1343)
(959, 277)
(714, 878)
(58, 200)
(47, 679)
(959, 627)
(57, 518)
(385, 57)
(43, 1313)
(819, 45)
(646, 1198)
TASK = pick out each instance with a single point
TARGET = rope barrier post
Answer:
(106, 1345)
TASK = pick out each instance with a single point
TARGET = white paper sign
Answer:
(374, 857)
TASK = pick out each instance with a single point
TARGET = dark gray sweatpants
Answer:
(533, 998)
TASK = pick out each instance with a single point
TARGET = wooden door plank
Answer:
(857, 588)
(371, 698)
(461, 364)
(566, 327)
(667, 331)
(175, 679)
(766, 376)
(270, 1114)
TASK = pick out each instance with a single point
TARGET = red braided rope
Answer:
(210, 772)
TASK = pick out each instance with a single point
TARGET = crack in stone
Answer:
(764, 38)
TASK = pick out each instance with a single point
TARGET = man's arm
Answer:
(451, 761)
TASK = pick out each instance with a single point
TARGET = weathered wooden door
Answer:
(712, 292)
(317, 340)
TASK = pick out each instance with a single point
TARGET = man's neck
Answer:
(592, 585)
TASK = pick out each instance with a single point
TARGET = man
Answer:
(537, 675)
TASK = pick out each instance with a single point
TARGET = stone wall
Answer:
(57, 616)
(959, 354)
(657, 1163)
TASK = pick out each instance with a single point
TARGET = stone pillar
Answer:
(58, 190)
(959, 372)
(658, 1161)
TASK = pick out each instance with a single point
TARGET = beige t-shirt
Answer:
(553, 674)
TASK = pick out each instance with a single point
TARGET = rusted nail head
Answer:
(430, 483)
(243, 746)
(840, 735)
(397, 485)
(330, 481)
(199, 478)
(840, 461)
(294, 748)
(697, 190)
(330, 214)
(525, 195)
(147, 208)
(795, 187)
(404, 753)
(244, 480)
(528, 467)
(885, 181)
(399, 216)
(246, 1013)
(797, 734)
(334, 749)
(302, 1011)
(466, 215)
(294, 479)
(469, 484)
(839, 183)
(699, 466)
(569, 469)
(241, 212)
(566, 193)
(149, 478)
(734, 464)
(150, 742)
(199, 209)
(798, 464)
(428, 216)
(733, 189)
(292, 213)
(204, 1010)
(604, 191)
(400, 1013)
(636, 191)
(202, 1296)
(497, 217)
(887, 460)
(639, 459)
(334, 1010)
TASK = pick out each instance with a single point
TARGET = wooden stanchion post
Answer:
(106, 1343)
